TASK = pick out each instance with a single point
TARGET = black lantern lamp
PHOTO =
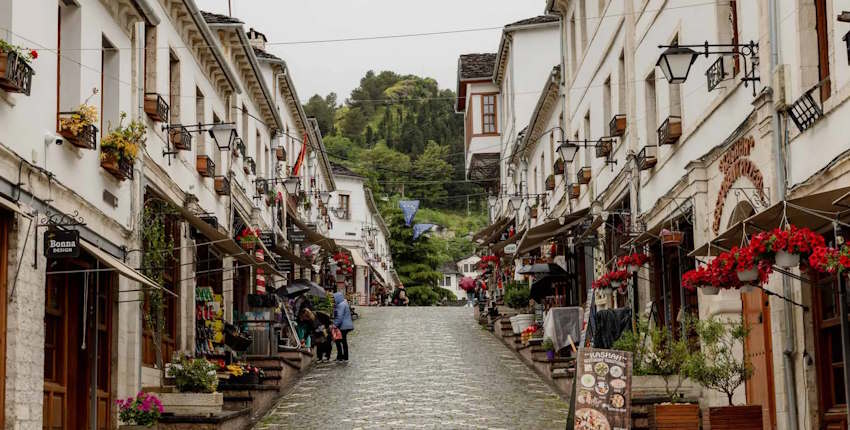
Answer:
(223, 135)
(325, 196)
(568, 151)
(292, 184)
(675, 62)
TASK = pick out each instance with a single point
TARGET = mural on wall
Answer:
(734, 165)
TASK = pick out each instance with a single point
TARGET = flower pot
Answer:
(674, 417)
(710, 290)
(633, 268)
(524, 321)
(736, 417)
(672, 238)
(514, 326)
(550, 355)
(192, 403)
(616, 284)
(748, 275)
(787, 260)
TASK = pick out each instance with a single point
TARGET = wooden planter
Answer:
(248, 166)
(15, 73)
(222, 185)
(260, 186)
(240, 147)
(672, 238)
(205, 166)
(603, 148)
(550, 183)
(86, 138)
(534, 213)
(647, 157)
(617, 126)
(670, 131)
(120, 169)
(584, 175)
(683, 416)
(559, 167)
(280, 153)
(180, 137)
(156, 107)
(201, 404)
(736, 417)
(575, 191)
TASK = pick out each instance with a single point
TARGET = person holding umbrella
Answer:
(468, 284)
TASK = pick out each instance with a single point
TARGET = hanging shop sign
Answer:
(510, 249)
(603, 389)
(61, 243)
(268, 239)
(295, 235)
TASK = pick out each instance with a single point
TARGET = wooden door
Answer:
(758, 349)
(828, 354)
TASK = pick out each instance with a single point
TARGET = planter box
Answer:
(15, 73)
(672, 238)
(670, 131)
(584, 175)
(205, 166)
(683, 416)
(86, 138)
(121, 170)
(559, 167)
(280, 153)
(533, 213)
(248, 166)
(156, 107)
(604, 148)
(647, 157)
(550, 183)
(222, 185)
(736, 417)
(180, 137)
(575, 191)
(192, 403)
(617, 126)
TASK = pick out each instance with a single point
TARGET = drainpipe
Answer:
(140, 101)
(563, 91)
(779, 150)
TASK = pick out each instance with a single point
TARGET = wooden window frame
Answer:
(347, 200)
(822, 30)
(495, 114)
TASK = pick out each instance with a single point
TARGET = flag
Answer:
(420, 229)
(300, 159)
(409, 208)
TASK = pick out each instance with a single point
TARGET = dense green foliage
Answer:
(716, 366)
(401, 133)
(517, 296)
(193, 375)
(422, 296)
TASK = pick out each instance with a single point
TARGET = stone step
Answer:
(562, 364)
(563, 373)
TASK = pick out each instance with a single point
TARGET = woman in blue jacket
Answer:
(342, 320)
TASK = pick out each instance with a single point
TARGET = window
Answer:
(70, 59)
(582, 7)
(488, 114)
(621, 84)
(573, 44)
(344, 203)
(109, 79)
(447, 281)
(606, 99)
(174, 88)
(586, 132)
(170, 281)
(602, 4)
(200, 107)
(651, 110)
(217, 159)
(150, 59)
(823, 48)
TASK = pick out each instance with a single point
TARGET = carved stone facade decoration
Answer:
(734, 165)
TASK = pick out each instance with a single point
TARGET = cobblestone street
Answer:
(420, 368)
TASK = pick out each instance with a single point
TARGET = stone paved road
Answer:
(420, 368)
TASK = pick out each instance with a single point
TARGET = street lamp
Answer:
(223, 135)
(492, 200)
(568, 151)
(675, 62)
(516, 201)
(325, 196)
(291, 184)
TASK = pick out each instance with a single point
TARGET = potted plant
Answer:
(716, 366)
(632, 262)
(119, 148)
(700, 278)
(786, 246)
(77, 127)
(618, 277)
(671, 237)
(745, 264)
(657, 352)
(248, 239)
(15, 70)
(196, 382)
(549, 347)
(140, 412)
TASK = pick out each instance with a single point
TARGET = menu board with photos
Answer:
(603, 390)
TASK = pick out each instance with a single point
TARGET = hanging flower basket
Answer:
(710, 290)
(632, 262)
(671, 237)
(748, 275)
(787, 260)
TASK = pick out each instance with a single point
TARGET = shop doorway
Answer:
(77, 345)
(755, 310)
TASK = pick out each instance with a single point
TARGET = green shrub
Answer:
(193, 375)
(444, 293)
(422, 296)
(517, 296)
(716, 366)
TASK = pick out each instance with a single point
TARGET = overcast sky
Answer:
(338, 66)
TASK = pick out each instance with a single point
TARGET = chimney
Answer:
(258, 40)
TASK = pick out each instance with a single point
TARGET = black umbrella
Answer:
(542, 288)
(542, 269)
(299, 287)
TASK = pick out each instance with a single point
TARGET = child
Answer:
(323, 342)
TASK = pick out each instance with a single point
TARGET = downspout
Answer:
(779, 150)
(140, 106)
(562, 86)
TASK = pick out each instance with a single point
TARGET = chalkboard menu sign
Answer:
(267, 237)
(603, 389)
(295, 235)
(61, 243)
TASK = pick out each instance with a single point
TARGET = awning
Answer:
(591, 229)
(543, 232)
(815, 211)
(313, 236)
(484, 232)
(496, 232)
(358, 258)
(13, 206)
(501, 245)
(125, 270)
(289, 255)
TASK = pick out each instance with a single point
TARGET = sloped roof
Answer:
(540, 19)
(263, 55)
(214, 18)
(450, 269)
(339, 169)
(473, 66)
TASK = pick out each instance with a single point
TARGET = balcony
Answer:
(156, 107)
(574, 191)
(647, 158)
(670, 130)
(550, 183)
(559, 167)
(482, 158)
(604, 148)
(222, 185)
(261, 186)
(617, 126)
(121, 169)
(205, 166)
(584, 175)
(180, 137)
(15, 73)
(249, 166)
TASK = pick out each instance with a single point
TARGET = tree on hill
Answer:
(430, 171)
(416, 261)
(324, 110)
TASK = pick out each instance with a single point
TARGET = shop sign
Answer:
(282, 264)
(510, 249)
(61, 243)
(603, 390)
(295, 235)
(268, 239)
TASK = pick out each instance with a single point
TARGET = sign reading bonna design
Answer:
(603, 391)
(61, 243)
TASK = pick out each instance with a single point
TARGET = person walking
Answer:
(324, 343)
(342, 321)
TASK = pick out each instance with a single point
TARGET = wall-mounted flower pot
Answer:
(156, 107)
(180, 137)
(617, 126)
(205, 166)
(550, 183)
(280, 153)
(787, 260)
(248, 166)
(647, 157)
(222, 185)
(86, 138)
(584, 175)
(670, 131)
(15, 73)
(575, 191)
(684, 416)
(559, 167)
(604, 148)
(736, 417)
(672, 237)
(533, 213)
(120, 169)
(748, 275)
